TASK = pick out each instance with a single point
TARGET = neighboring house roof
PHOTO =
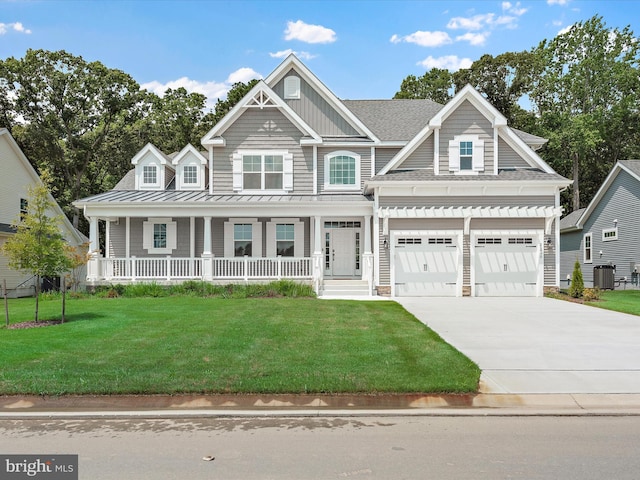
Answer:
(6, 228)
(632, 167)
(390, 120)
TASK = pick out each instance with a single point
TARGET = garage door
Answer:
(426, 265)
(506, 265)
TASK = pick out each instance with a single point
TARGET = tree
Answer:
(587, 102)
(68, 108)
(436, 84)
(576, 289)
(235, 94)
(38, 246)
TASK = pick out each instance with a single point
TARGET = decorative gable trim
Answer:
(292, 62)
(261, 96)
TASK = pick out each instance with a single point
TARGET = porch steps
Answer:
(345, 288)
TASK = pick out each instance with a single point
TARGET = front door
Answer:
(342, 249)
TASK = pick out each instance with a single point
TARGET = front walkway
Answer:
(538, 345)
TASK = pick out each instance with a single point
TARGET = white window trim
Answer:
(327, 175)
(256, 233)
(147, 235)
(609, 230)
(298, 232)
(477, 159)
(238, 173)
(584, 248)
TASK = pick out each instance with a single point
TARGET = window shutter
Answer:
(478, 156)
(172, 235)
(147, 235)
(298, 239)
(228, 240)
(287, 171)
(271, 239)
(257, 239)
(454, 156)
(237, 172)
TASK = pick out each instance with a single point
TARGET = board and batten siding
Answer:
(470, 201)
(262, 129)
(620, 202)
(421, 157)
(365, 163)
(466, 120)
(315, 110)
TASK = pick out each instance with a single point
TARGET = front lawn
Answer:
(208, 345)
(626, 301)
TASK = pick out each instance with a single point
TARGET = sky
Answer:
(360, 49)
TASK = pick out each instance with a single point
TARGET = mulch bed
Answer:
(33, 324)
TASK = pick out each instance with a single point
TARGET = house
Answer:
(607, 232)
(17, 176)
(389, 197)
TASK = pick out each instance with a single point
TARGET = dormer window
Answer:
(190, 174)
(150, 175)
(466, 154)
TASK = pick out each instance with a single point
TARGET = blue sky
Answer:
(359, 49)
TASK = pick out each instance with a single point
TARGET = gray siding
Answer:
(620, 202)
(384, 156)
(470, 201)
(365, 163)
(315, 110)
(508, 158)
(466, 120)
(266, 129)
(422, 157)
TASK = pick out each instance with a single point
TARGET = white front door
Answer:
(342, 249)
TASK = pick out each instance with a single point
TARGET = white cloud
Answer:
(474, 39)
(309, 33)
(477, 22)
(288, 51)
(517, 9)
(424, 39)
(16, 27)
(449, 62)
(565, 30)
(212, 90)
(557, 2)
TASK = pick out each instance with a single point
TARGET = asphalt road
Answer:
(333, 448)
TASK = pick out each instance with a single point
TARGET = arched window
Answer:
(342, 171)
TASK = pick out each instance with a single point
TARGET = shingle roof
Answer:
(128, 182)
(633, 165)
(571, 220)
(398, 119)
(522, 174)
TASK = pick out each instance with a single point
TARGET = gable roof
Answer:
(260, 96)
(576, 222)
(292, 62)
(176, 158)
(155, 151)
(4, 133)
(498, 121)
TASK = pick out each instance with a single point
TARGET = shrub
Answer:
(591, 294)
(576, 288)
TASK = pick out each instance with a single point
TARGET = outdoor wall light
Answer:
(615, 222)
(385, 244)
(548, 241)
(600, 252)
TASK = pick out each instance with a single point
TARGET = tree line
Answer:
(83, 121)
(580, 90)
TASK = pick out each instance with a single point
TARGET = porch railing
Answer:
(245, 268)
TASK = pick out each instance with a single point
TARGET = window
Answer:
(24, 207)
(521, 241)
(285, 239)
(489, 241)
(440, 241)
(292, 87)
(242, 239)
(409, 241)
(190, 174)
(588, 247)
(149, 174)
(466, 154)
(342, 171)
(271, 171)
(609, 234)
(160, 235)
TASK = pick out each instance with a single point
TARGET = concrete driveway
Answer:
(538, 345)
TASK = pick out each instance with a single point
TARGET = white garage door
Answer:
(506, 266)
(426, 265)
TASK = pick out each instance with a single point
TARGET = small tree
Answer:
(576, 288)
(38, 246)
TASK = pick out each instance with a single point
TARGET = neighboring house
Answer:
(607, 232)
(17, 176)
(395, 197)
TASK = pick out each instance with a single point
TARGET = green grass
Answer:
(183, 344)
(626, 301)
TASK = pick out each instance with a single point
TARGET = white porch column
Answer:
(317, 253)
(93, 264)
(107, 237)
(207, 255)
(367, 257)
(93, 235)
(127, 237)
